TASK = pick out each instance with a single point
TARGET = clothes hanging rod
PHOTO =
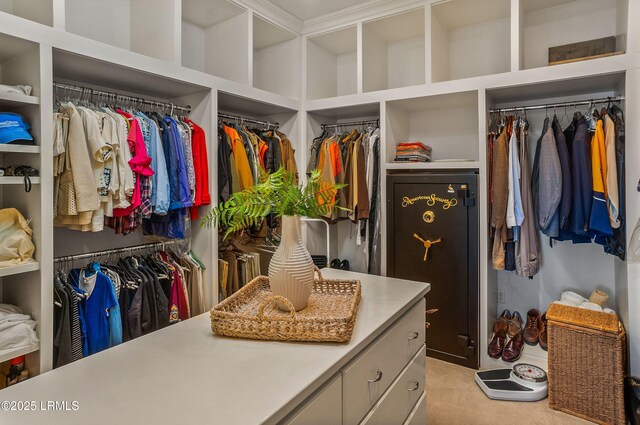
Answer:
(122, 97)
(127, 249)
(241, 120)
(350, 124)
(558, 105)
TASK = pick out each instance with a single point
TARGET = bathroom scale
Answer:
(523, 382)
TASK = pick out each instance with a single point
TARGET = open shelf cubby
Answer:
(274, 50)
(215, 38)
(448, 123)
(393, 51)
(470, 38)
(332, 64)
(40, 11)
(549, 23)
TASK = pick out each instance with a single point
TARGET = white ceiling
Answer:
(309, 9)
(206, 13)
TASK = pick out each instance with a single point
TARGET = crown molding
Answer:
(362, 12)
(273, 13)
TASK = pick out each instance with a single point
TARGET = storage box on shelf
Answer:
(552, 23)
(342, 235)
(332, 64)
(215, 38)
(470, 39)
(150, 27)
(276, 56)
(40, 11)
(447, 123)
(393, 51)
(564, 266)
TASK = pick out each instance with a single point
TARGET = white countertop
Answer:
(184, 374)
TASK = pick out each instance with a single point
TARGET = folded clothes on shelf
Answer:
(16, 329)
(413, 152)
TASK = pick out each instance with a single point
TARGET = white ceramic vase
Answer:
(291, 268)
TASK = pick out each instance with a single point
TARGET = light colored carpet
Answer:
(453, 398)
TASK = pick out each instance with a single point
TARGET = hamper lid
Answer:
(596, 320)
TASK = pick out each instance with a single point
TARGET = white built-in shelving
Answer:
(12, 100)
(332, 63)
(470, 39)
(12, 353)
(17, 180)
(393, 51)
(215, 38)
(429, 70)
(20, 269)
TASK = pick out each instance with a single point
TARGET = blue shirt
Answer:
(183, 177)
(160, 191)
(100, 299)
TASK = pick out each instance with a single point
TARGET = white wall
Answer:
(36, 10)
(322, 68)
(347, 73)
(480, 49)
(275, 68)
(567, 23)
(109, 23)
(193, 46)
(226, 47)
(155, 28)
(439, 50)
(375, 59)
(406, 63)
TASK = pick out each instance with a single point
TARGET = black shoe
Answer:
(344, 265)
(335, 263)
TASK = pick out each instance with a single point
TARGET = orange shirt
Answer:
(241, 159)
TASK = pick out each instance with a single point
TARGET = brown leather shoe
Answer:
(497, 344)
(513, 350)
(530, 333)
(502, 322)
(542, 331)
(515, 324)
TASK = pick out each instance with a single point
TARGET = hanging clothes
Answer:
(103, 305)
(566, 194)
(128, 170)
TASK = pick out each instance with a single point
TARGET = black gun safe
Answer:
(432, 235)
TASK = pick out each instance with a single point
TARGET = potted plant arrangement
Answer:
(291, 270)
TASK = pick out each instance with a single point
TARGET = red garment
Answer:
(178, 307)
(200, 167)
(140, 163)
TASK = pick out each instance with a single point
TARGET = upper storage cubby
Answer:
(215, 38)
(149, 27)
(393, 51)
(470, 38)
(332, 64)
(276, 59)
(40, 11)
(552, 23)
(447, 123)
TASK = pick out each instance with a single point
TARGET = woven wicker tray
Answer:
(252, 313)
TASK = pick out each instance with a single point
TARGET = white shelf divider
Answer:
(18, 180)
(12, 353)
(22, 268)
(435, 165)
(12, 100)
(19, 149)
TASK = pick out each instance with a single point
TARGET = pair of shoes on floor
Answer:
(535, 332)
(507, 325)
(340, 265)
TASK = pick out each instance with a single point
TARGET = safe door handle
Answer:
(414, 385)
(377, 378)
(414, 335)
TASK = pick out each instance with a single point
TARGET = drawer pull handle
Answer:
(414, 335)
(414, 385)
(377, 378)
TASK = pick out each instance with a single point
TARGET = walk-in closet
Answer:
(320, 212)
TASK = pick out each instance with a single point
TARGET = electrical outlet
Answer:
(502, 296)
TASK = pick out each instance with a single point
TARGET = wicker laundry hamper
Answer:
(586, 364)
